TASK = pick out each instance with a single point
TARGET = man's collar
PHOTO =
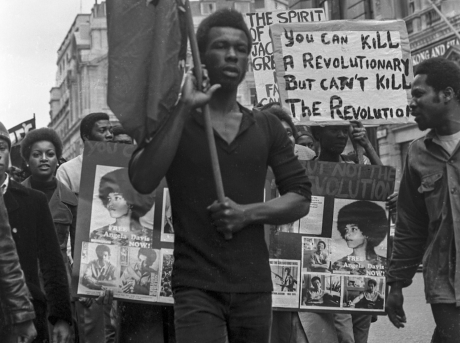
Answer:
(248, 116)
(5, 184)
(429, 136)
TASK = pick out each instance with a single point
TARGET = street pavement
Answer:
(420, 323)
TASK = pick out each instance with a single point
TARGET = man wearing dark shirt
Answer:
(222, 288)
(428, 211)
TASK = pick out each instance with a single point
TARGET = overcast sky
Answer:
(30, 34)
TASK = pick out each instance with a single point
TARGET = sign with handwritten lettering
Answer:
(122, 236)
(261, 56)
(337, 71)
(335, 258)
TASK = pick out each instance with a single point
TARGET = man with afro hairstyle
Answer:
(222, 288)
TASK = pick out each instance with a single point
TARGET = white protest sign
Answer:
(336, 71)
(263, 64)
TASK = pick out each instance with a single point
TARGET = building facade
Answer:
(430, 36)
(81, 78)
(82, 71)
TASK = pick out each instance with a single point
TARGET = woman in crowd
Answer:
(126, 206)
(41, 150)
(363, 234)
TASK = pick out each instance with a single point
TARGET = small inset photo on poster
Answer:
(364, 293)
(316, 254)
(312, 224)
(359, 237)
(321, 290)
(285, 275)
(139, 273)
(119, 214)
(167, 229)
(166, 266)
(99, 268)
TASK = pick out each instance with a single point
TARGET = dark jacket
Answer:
(15, 306)
(63, 207)
(36, 241)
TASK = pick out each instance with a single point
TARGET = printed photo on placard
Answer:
(166, 266)
(139, 273)
(312, 224)
(167, 229)
(364, 293)
(316, 254)
(99, 268)
(359, 237)
(285, 275)
(321, 290)
(120, 215)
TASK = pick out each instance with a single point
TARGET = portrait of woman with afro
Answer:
(363, 225)
(126, 207)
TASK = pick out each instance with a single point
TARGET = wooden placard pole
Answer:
(198, 71)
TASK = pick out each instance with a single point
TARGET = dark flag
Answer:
(147, 51)
(18, 132)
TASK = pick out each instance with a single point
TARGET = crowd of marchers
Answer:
(217, 297)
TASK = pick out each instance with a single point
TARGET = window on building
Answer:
(243, 7)
(259, 4)
(207, 7)
(414, 6)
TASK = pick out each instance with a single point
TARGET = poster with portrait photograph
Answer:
(100, 268)
(316, 255)
(111, 213)
(345, 241)
(116, 216)
(364, 293)
(139, 274)
(165, 290)
(167, 229)
(285, 279)
(321, 290)
(359, 237)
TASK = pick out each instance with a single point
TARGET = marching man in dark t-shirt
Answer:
(222, 288)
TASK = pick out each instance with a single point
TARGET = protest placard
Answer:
(132, 236)
(343, 248)
(263, 65)
(336, 71)
(120, 229)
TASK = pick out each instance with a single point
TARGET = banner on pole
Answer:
(18, 132)
(263, 65)
(336, 71)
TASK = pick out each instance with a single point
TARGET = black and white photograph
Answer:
(120, 215)
(167, 261)
(321, 290)
(167, 229)
(316, 254)
(364, 293)
(139, 274)
(285, 280)
(100, 268)
(359, 237)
